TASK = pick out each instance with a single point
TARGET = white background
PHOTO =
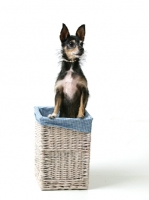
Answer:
(117, 69)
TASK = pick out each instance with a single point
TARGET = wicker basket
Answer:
(62, 151)
(62, 158)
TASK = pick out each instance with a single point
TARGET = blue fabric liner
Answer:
(77, 124)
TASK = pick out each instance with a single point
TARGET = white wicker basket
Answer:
(62, 158)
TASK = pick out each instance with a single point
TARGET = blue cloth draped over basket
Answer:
(77, 124)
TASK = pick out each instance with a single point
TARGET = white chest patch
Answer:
(69, 84)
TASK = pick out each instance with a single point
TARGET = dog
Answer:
(71, 84)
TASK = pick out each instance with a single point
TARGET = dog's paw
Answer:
(80, 115)
(52, 116)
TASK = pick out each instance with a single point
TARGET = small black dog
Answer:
(71, 85)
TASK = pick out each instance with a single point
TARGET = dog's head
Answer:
(72, 45)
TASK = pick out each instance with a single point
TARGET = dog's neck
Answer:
(71, 61)
(67, 65)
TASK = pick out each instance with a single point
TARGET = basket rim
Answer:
(82, 125)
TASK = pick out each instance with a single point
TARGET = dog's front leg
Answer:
(58, 100)
(83, 102)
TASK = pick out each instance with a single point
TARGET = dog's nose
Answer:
(80, 47)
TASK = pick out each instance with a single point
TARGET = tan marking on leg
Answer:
(58, 100)
(57, 105)
(81, 108)
(84, 97)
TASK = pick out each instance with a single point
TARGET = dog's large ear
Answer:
(64, 33)
(81, 32)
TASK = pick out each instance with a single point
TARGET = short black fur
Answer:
(71, 84)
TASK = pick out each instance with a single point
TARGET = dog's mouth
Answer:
(73, 54)
(78, 54)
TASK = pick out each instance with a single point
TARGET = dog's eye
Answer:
(71, 44)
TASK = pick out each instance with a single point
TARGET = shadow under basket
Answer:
(62, 157)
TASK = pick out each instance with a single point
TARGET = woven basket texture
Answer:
(62, 158)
